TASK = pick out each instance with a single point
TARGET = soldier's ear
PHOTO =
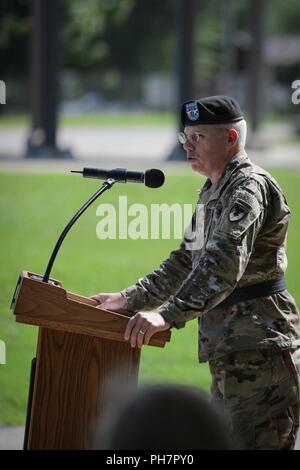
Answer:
(233, 136)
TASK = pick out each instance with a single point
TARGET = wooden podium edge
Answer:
(47, 314)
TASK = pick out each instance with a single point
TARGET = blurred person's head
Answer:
(214, 131)
(163, 417)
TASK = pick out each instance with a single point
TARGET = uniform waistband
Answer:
(262, 289)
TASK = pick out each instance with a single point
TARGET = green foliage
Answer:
(127, 35)
(283, 16)
(114, 37)
(207, 40)
(14, 37)
(85, 24)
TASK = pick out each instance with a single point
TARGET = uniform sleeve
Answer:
(223, 260)
(155, 288)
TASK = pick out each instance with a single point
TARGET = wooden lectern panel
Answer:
(81, 353)
(73, 374)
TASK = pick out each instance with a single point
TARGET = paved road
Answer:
(136, 146)
(11, 437)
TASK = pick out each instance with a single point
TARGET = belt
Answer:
(263, 289)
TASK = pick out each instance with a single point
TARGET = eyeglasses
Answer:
(194, 138)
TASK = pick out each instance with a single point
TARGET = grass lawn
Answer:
(35, 208)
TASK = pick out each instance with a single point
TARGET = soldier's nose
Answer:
(188, 146)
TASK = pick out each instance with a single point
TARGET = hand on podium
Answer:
(114, 301)
(141, 327)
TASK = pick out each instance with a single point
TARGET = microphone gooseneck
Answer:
(106, 185)
(151, 178)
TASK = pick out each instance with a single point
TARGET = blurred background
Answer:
(108, 63)
(99, 83)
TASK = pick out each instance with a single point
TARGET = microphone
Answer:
(151, 178)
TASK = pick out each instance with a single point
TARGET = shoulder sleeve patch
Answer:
(238, 210)
(239, 216)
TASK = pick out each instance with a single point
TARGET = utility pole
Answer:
(226, 47)
(44, 66)
(185, 20)
(257, 17)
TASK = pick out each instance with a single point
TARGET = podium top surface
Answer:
(49, 305)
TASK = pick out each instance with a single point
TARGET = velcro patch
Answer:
(239, 209)
(240, 215)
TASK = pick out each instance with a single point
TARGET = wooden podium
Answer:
(80, 351)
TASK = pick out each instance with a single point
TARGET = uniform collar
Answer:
(211, 191)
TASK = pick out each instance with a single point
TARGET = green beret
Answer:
(211, 110)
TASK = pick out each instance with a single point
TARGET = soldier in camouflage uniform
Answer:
(228, 272)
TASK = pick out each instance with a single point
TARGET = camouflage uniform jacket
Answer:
(242, 242)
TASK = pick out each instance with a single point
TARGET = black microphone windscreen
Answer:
(154, 178)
